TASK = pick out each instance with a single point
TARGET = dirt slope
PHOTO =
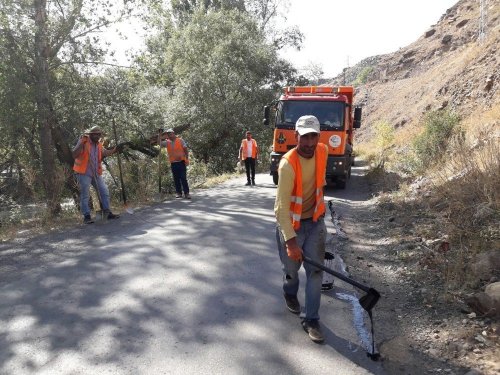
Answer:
(449, 66)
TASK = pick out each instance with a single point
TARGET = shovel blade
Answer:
(369, 300)
(99, 215)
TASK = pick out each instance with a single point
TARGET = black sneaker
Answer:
(87, 219)
(112, 216)
(292, 303)
(313, 328)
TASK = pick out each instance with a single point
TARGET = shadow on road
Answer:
(181, 286)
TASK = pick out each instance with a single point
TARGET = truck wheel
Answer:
(275, 178)
(341, 183)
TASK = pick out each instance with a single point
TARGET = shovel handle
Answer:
(124, 195)
(159, 160)
(336, 274)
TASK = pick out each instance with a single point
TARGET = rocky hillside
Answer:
(435, 221)
(449, 66)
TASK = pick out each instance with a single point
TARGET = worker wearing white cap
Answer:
(301, 231)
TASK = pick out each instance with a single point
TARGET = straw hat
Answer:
(94, 130)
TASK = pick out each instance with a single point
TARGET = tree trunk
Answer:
(45, 115)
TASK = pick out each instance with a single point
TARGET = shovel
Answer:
(158, 196)
(367, 302)
(124, 196)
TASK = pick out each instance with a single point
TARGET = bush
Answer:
(430, 146)
(384, 139)
(363, 76)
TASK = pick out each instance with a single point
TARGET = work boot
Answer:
(313, 328)
(112, 216)
(87, 219)
(292, 303)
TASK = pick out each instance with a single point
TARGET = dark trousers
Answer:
(250, 169)
(179, 174)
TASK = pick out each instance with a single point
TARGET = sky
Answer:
(339, 33)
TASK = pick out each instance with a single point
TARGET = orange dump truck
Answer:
(333, 106)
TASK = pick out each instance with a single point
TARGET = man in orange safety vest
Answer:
(88, 154)
(178, 156)
(299, 208)
(249, 152)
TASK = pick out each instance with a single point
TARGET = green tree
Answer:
(222, 65)
(41, 42)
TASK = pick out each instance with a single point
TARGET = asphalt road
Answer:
(182, 287)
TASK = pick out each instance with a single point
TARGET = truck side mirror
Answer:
(357, 118)
(266, 115)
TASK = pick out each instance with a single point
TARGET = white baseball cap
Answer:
(307, 124)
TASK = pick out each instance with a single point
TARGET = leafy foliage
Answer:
(384, 139)
(431, 145)
(209, 68)
(363, 76)
(222, 66)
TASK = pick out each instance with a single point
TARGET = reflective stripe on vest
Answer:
(245, 147)
(82, 160)
(296, 198)
(175, 153)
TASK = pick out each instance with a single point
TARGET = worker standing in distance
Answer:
(301, 230)
(178, 156)
(88, 154)
(249, 152)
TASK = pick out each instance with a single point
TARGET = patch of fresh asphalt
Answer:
(181, 287)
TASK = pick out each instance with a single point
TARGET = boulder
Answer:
(493, 291)
(487, 303)
(446, 39)
(429, 33)
(486, 265)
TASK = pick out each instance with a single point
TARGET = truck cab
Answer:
(332, 106)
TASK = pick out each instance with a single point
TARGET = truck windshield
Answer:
(329, 114)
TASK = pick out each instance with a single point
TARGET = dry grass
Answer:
(141, 182)
(461, 193)
(38, 223)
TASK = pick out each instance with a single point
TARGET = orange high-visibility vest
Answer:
(244, 145)
(82, 160)
(296, 199)
(176, 151)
